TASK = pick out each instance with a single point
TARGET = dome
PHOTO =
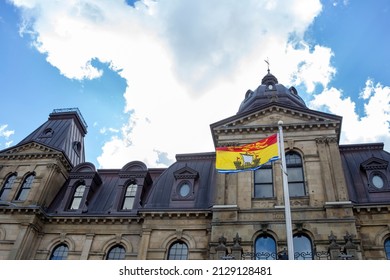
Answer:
(271, 91)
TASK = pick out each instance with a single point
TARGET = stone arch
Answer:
(118, 240)
(189, 240)
(382, 235)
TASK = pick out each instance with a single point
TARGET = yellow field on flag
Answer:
(247, 157)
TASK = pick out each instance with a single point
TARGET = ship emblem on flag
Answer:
(247, 157)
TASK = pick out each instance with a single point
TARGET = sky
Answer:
(149, 77)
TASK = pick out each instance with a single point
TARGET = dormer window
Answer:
(377, 181)
(47, 133)
(185, 185)
(184, 189)
(128, 201)
(77, 197)
(375, 169)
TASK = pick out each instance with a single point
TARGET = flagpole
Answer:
(287, 210)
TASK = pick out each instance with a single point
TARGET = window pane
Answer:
(387, 248)
(263, 175)
(296, 189)
(131, 190)
(60, 252)
(7, 187)
(302, 248)
(75, 203)
(264, 190)
(295, 174)
(265, 248)
(293, 158)
(128, 200)
(178, 251)
(77, 197)
(25, 188)
(116, 253)
(128, 203)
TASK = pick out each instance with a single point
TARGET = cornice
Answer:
(17, 153)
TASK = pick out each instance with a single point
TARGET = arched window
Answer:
(303, 249)
(296, 180)
(77, 197)
(387, 248)
(60, 252)
(128, 201)
(26, 186)
(264, 181)
(116, 252)
(265, 247)
(178, 251)
(7, 186)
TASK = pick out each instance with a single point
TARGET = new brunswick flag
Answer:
(247, 157)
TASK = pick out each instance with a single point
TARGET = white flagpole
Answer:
(287, 210)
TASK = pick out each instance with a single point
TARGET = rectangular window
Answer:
(263, 187)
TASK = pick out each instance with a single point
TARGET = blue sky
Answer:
(150, 77)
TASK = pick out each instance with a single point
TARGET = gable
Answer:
(34, 150)
(29, 148)
(265, 120)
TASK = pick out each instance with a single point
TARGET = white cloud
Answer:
(6, 134)
(187, 63)
(372, 126)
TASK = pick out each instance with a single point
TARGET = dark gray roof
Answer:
(64, 131)
(204, 164)
(157, 192)
(270, 91)
(359, 162)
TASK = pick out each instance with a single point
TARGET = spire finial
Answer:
(267, 61)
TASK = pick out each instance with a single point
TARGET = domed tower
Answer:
(251, 203)
(271, 91)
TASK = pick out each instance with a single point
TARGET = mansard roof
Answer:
(157, 192)
(360, 163)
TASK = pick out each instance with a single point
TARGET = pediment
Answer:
(186, 173)
(31, 148)
(374, 163)
(265, 121)
(270, 116)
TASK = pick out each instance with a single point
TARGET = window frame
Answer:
(77, 196)
(7, 186)
(270, 184)
(112, 255)
(61, 254)
(129, 195)
(296, 166)
(303, 255)
(26, 186)
(174, 252)
(386, 246)
(265, 254)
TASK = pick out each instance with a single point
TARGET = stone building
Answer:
(55, 205)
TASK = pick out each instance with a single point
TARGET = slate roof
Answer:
(270, 91)
(62, 131)
(156, 196)
(359, 161)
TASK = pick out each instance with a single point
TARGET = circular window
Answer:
(377, 181)
(184, 190)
